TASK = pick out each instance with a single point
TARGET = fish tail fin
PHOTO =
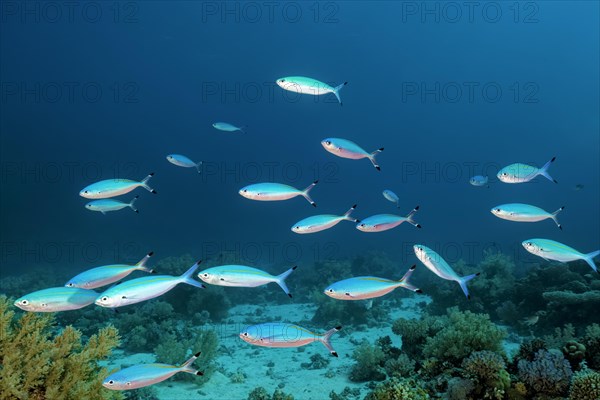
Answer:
(372, 158)
(406, 284)
(554, 214)
(145, 183)
(187, 276)
(409, 217)
(348, 214)
(199, 167)
(185, 367)
(131, 204)
(326, 340)
(336, 91)
(141, 265)
(281, 280)
(544, 170)
(589, 258)
(306, 195)
(463, 284)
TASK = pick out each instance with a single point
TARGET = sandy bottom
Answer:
(274, 368)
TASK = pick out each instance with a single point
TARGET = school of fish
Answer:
(81, 290)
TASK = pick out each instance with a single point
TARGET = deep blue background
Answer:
(178, 68)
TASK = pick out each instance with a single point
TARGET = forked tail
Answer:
(336, 91)
(348, 214)
(544, 170)
(326, 340)
(280, 280)
(141, 265)
(307, 196)
(185, 367)
(187, 276)
(409, 217)
(406, 284)
(589, 258)
(132, 202)
(372, 158)
(463, 284)
(145, 183)
(554, 214)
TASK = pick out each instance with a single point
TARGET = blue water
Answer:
(448, 96)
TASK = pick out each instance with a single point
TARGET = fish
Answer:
(479, 180)
(142, 375)
(384, 222)
(347, 149)
(107, 205)
(281, 334)
(368, 287)
(304, 85)
(525, 213)
(318, 223)
(441, 268)
(521, 173)
(275, 191)
(227, 127)
(107, 274)
(56, 299)
(146, 288)
(578, 187)
(183, 161)
(530, 321)
(391, 196)
(552, 250)
(114, 187)
(243, 276)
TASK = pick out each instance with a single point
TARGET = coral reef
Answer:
(414, 332)
(574, 352)
(40, 363)
(317, 361)
(261, 393)
(369, 363)
(549, 373)
(591, 340)
(173, 349)
(465, 333)
(398, 389)
(345, 394)
(585, 386)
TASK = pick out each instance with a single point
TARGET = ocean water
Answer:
(106, 90)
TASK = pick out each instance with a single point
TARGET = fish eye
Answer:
(282, 80)
(246, 334)
(44, 304)
(362, 225)
(105, 298)
(111, 382)
(123, 297)
(70, 284)
(297, 227)
(128, 383)
(330, 290)
(328, 143)
(24, 302)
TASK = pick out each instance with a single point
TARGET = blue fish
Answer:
(384, 222)
(281, 334)
(142, 375)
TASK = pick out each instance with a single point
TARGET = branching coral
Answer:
(414, 333)
(173, 350)
(465, 333)
(369, 363)
(398, 389)
(38, 363)
(585, 386)
(549, 373)
(591, 340)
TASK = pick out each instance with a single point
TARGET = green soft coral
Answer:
(398, 389)
(464, 334)
(37, 363)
